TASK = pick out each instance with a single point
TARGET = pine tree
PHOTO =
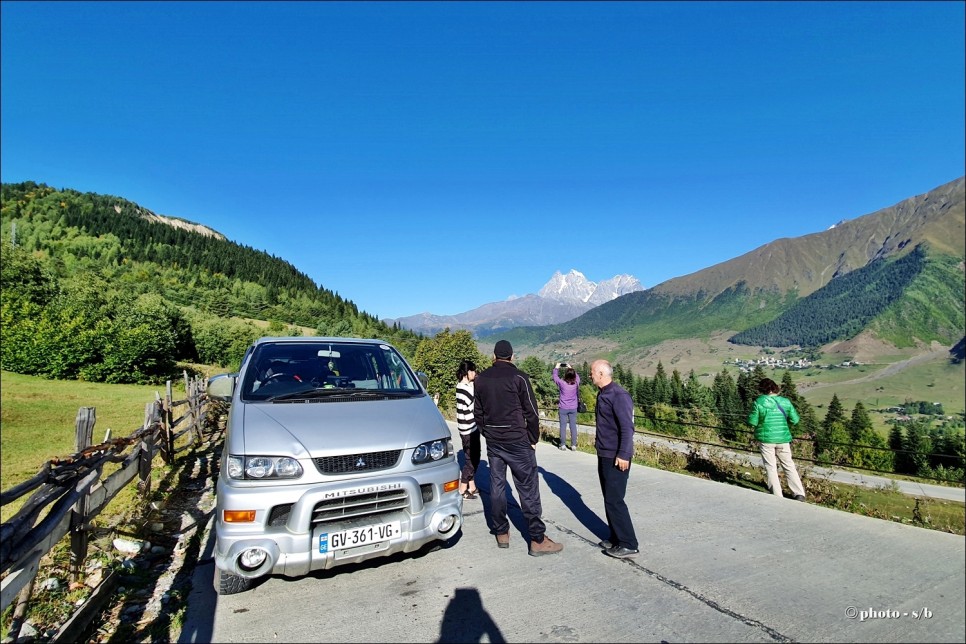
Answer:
(863, 436)
(832, 437)
(728, 405)
(918, 448)
(677, 389)
(808, 425)
(644, 392)
(695, 394)
(661, 386)
(897, 445)
(835, 413)
(860, 425)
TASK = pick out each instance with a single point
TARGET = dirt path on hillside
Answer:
(891, 370)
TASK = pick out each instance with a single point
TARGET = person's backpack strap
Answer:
(779, 405)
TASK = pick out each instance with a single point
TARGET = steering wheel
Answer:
(279, 375)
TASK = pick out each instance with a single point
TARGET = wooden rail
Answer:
(67, 493)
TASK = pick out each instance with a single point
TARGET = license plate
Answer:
(361, 536)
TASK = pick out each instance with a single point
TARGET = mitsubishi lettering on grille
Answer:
(366, 489)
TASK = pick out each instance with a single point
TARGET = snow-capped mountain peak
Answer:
(575, 287)
(572, 286)
(613, 288)
(561, 299)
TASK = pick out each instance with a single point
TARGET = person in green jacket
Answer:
(770, 417)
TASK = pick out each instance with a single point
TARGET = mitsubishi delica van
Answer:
(334, 454)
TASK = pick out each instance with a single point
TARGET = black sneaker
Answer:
(799, 497)
(620, 552)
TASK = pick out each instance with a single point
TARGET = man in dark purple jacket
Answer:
(615, 448)
(505, 410)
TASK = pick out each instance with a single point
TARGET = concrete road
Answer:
(718, 563)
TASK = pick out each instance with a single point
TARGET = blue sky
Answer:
(436, 156)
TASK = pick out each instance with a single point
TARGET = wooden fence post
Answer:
(168, 420)
(190, 415)
(84, 427)
(84, 433)
(201, 412)
(20, 611)
(147, 448)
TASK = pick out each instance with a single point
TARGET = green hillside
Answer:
(914, 297)
(930, 309)
(644, 318)
(98, 287)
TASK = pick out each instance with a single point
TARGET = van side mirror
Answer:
(222, 386)
(423, 379)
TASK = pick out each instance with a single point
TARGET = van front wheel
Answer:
(229, 584)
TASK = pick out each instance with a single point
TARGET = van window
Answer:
(280, 368)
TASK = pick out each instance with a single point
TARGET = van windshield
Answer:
(281, 368)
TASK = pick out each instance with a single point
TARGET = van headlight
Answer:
(263, 467)
(432, 451)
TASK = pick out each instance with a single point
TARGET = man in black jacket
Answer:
(505, 410)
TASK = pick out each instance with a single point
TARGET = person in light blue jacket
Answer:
(569, 387)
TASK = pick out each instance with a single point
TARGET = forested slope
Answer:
(849, 304)
(84, 272)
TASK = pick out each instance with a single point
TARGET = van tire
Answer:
(439, 544)
(229, 584)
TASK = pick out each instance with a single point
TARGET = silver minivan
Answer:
(334, 454)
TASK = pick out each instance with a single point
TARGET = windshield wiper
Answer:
(320, 392)
(323, 392)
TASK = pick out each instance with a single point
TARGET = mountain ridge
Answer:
(759, 286)
(790, 263)
(562, 298)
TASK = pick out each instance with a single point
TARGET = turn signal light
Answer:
(451, 485)
(239, 516)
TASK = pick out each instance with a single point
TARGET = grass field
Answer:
(37, 419)
(931, 380)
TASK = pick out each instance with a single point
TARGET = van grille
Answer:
(360, 505)
(365, 462)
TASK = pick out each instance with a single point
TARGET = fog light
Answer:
(447, 523)
(252, 558)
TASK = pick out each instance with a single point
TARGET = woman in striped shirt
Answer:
(467, 428)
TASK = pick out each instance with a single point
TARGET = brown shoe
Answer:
(503, 540)
(546, 547)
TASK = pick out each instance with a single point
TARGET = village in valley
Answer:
(794, 362)
(786, 362)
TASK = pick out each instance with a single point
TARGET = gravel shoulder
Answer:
(152, 587)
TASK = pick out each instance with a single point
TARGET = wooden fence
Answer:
(68, 492)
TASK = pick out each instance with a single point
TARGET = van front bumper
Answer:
(292, 547)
